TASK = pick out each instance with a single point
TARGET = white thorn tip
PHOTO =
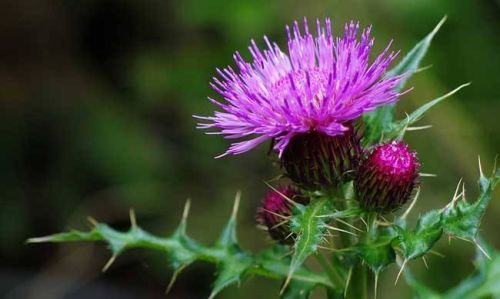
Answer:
(187, 207)
(92, 221)
(281, 194)
(236, 205)
(400, 271)
(482, 250)
(133, 219)
(109, 263)
(480, 167)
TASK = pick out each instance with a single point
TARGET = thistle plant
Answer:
(329, 112)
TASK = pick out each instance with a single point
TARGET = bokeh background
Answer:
(96, 99)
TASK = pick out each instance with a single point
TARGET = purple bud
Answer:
(275, 211)
(315, 160)
(386, 178)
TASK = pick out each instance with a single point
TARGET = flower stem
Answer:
(330, 271)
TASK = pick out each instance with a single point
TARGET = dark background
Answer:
(96, 99)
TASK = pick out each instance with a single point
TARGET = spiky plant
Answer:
(345, 180)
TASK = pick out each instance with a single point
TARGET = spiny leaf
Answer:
(236, 262)
(398, 129)
(415, 243)
(378, 121)
(308, 229)
(275, 263)
(232, 262)
(482, 284)
(377, 253)
(411, 62)
(231, 270)
(461, 218)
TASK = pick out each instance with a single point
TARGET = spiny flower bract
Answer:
(321, 84)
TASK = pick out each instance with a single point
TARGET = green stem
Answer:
(330, 271)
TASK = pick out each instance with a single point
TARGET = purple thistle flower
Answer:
(322, 83)
(386, 179)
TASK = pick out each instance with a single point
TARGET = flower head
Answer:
(386, 179)
(275, 210)
(322, 83)
(316, 160)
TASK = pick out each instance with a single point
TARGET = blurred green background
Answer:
(96, 100)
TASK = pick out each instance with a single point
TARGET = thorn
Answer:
(422, 174)
(455, 197)
(287, 254)
(414, 201)
(279, 224)
(480, 168)
(418, 128)
(262, 227)
(381, 223)
(340, 230)
(383, 218)
(236, 205)
(348, 280)
(456, 191)
(366, 224)
(281, 194)
(376, 286)
(185, 213)
(437, 253)
(133, 220)
(39, 240)
(288, 279)
(348, 224)
(424, 68)
(482, 250)
(276, 214)
(425, 262)
(92, 221)
(400, 271)
(109, 263)
(327, 248)
(436, 29)
(174, 278)
(289, 235)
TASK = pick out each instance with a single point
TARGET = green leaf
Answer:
(461, 218)
(236, 262)
(377, 253)
(416, 243)
(411, 62)
(378, 121)
(482, 284)
(233, 263)
(397, 130)
(308, 229)
(231, 270)
(274, 263)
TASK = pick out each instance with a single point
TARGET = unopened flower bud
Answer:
(315, 160)
(386, 178)
(275, 211)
